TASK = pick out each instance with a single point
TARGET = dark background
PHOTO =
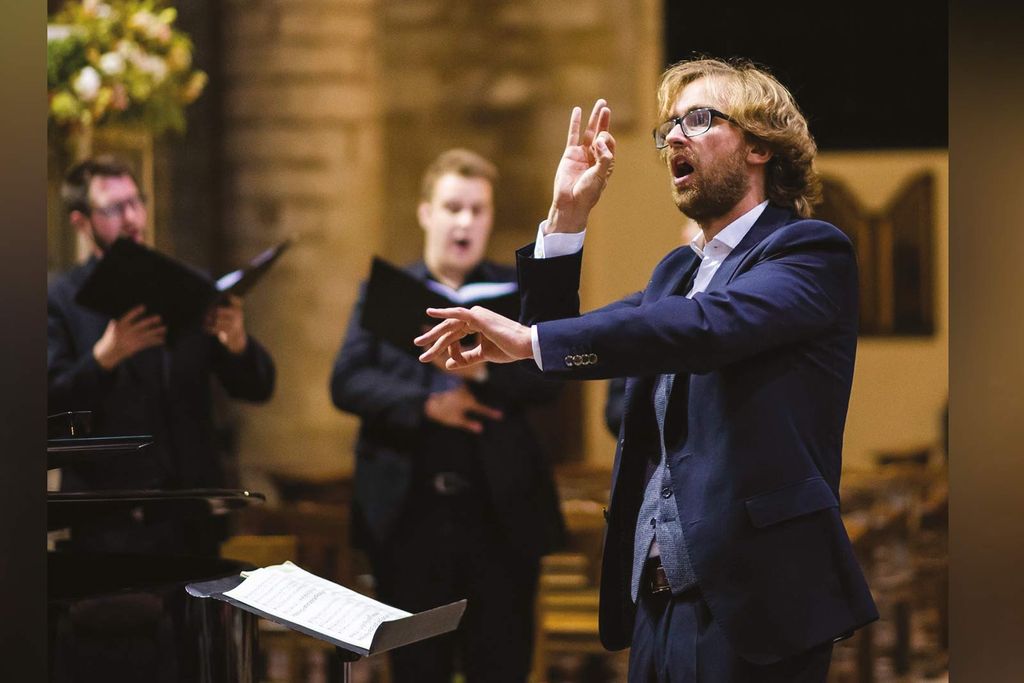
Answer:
(891, 58)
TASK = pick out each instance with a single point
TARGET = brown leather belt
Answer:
(655, 577)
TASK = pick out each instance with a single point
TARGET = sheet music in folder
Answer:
(396, 302)
(130, 274)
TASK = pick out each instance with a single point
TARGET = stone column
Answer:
(302, 142)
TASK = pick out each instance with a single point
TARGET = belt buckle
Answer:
(448, 483)
(657, 580)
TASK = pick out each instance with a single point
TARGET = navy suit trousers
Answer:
(675, 640)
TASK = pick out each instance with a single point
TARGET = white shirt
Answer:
(711, 254)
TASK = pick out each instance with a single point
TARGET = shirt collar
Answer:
(732, 234)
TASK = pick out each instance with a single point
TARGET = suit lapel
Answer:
(768, 222)
(681, 267)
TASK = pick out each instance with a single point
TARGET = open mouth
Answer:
(462, 243)
(681, 168)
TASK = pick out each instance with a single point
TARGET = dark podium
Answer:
(126, 617)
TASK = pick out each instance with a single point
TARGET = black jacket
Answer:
(162, 391)
(387, 388)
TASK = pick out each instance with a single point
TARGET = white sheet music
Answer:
(290, 592)
(474, 291)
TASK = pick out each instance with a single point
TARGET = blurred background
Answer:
(314, 119)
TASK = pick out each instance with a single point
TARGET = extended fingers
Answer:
(470, 425)
(439, 330)
(574, 127)
(459, 358)
(154, 329)
(145, 338)
(604, 116)
(133, 315)
(446, 340)
(594, 123)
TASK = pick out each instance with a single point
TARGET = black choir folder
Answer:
(395, 304)
(130, 274)
(304, 602)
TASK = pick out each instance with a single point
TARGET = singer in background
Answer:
(134, 383)
(454, 496)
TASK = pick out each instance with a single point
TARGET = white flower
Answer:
(152, 65)
(112, 63)
(104, 11)
(58, 32)
(87, 84)
(142, 20)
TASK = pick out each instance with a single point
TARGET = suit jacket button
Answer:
(593, 358)
(666, 492)
(577, 360)
(568, 361)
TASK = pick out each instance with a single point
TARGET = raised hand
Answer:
(227, 323)
(458, 408)
(583, 172)
(126, 336)
(501, 340)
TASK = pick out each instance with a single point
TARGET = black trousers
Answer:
(675, 640)
(448, 548)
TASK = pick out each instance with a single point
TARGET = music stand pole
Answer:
(346, 657)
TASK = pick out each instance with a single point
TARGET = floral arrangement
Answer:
(119, 61)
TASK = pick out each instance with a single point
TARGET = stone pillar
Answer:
(302, 153)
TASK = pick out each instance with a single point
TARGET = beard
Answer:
(716, 190)
(102, 244)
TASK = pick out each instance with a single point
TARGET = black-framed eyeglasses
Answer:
(692, 123)
(118, 209)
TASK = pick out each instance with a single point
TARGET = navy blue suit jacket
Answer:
(764, 364)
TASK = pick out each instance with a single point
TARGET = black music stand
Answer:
(388, 636)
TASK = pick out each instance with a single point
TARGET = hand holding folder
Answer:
(132, 274)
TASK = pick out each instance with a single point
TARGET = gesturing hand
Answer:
(583, 172)
(501, 340)
(128, 335)
(458, 408)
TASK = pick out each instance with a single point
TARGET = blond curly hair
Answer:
(765, 110)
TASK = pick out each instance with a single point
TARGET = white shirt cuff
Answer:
(535, 341)
(557, 243)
